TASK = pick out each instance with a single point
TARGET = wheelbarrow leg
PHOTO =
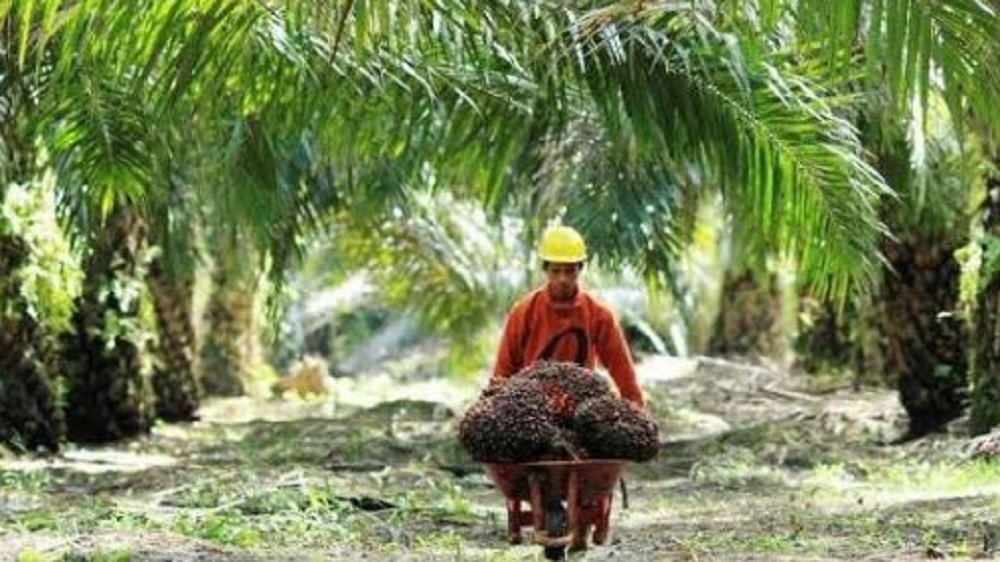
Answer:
(579, 541)
(514, 522)
(603, 525)
(577, 522)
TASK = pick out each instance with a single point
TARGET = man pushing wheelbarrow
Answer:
(554, 436)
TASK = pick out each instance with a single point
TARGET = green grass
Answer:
(905, 479)
(123, 555)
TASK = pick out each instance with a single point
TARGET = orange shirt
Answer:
(583, 331)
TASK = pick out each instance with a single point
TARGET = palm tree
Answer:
(170, 278)
(103, 94)
(109, 392)
(924, 337)
(895, 60)
(915, 53)
(94, 121)
(759, 201)
(175, 384)
(30, 417)
(660, 91)
(227, 348)
(985, 415)
(658, 114)
(422, 87)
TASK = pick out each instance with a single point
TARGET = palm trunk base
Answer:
(178, 395)
(827, 340)
(221, 365)
(177, 389)
(108, 392)
(985, 411)
(108, 397)
(30, 417)
(924, 345)
(749, 322)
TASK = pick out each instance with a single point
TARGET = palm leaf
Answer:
(409, 85)
(103, 149)
(438, 258)
(789, 166)
(916, 46)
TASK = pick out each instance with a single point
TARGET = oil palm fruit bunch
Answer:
(616, 429)
(555, 411)
(565, 386)
(513, 425)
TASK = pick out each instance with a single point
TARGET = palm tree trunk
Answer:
(923, 348)
(227, 349)
(30, 417)
(749, 321)
(174, 381)
(827, 339)
(985, 411)
(108, 391)
(844, 342)
(924, 344)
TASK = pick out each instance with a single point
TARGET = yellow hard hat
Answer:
(562, 244)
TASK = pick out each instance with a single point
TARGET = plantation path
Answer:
(756, 466)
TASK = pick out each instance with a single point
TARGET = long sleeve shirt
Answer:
(583, 331)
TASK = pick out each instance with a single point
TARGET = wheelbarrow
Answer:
(567, 500)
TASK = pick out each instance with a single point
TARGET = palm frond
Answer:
(792, 170)
(630, 206)
(935, 190)
(434, 85)
(279, 189)
(174, 220)
(103, 148)
(914, 47)
(438, 258)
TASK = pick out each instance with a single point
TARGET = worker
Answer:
(561, 322)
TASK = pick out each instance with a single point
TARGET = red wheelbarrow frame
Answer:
(586, 487)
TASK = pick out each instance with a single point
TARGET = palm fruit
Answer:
(512, 426)
(569, 446)
(555, 411)
(612, 428)
(565, 386)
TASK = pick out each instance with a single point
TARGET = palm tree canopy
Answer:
(468, 90)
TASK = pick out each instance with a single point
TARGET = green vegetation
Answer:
(197, 194)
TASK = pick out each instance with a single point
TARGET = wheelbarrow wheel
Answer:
(555, 525)
(555, 553)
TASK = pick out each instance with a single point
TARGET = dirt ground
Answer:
(756, 464)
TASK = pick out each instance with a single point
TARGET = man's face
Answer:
(563, 279)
